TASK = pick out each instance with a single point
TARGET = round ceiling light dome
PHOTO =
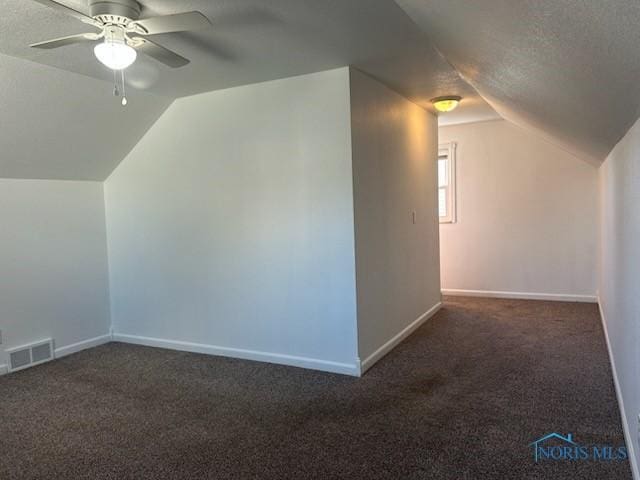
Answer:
(115, 55)
(446, 103)
(114, 51)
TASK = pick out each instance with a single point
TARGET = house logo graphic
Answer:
(555, 446)
(540, 448)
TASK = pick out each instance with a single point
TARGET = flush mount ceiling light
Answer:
(446, 103)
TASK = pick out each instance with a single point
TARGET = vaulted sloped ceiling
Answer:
(77, 130)
(250, 41)
(569, 69)
(60, 125)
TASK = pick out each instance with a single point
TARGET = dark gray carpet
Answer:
(460, 399)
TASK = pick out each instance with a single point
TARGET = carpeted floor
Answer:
(462, 398)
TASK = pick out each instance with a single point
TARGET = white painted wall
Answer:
(53, 262)
(394, 173)
(619, 280)
(230, 226)
(526, 215)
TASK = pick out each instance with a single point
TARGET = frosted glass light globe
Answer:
(446, 103)
(115, 54)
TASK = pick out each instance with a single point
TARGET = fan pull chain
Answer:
(116, 87)
(116, 92)
(124, 92)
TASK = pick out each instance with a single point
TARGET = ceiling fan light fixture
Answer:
(114, 52)
(446, 103)
(124, 32)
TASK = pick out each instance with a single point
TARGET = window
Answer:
(447, 182)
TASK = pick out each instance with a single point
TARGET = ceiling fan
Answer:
(124, 32)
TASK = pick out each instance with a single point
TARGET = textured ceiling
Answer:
(68, 125)
(61, 125)
(252, 41)
(76, 129)
(568, 69)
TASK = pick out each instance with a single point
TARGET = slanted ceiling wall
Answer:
(61, 125)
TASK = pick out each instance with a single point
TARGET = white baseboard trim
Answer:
(280, 359)
(83, 345)
(625, 424)
(557, 297)
(4, 369)
(368, 362)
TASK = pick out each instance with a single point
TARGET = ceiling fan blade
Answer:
(161, 54)
(70, 11)
(179, 22)
(70, 40)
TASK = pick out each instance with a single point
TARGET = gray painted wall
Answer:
(526, 215)
(53, 259)
(231, 224)
(394, 145)
(620, 274)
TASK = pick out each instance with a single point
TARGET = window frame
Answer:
(448, 150)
